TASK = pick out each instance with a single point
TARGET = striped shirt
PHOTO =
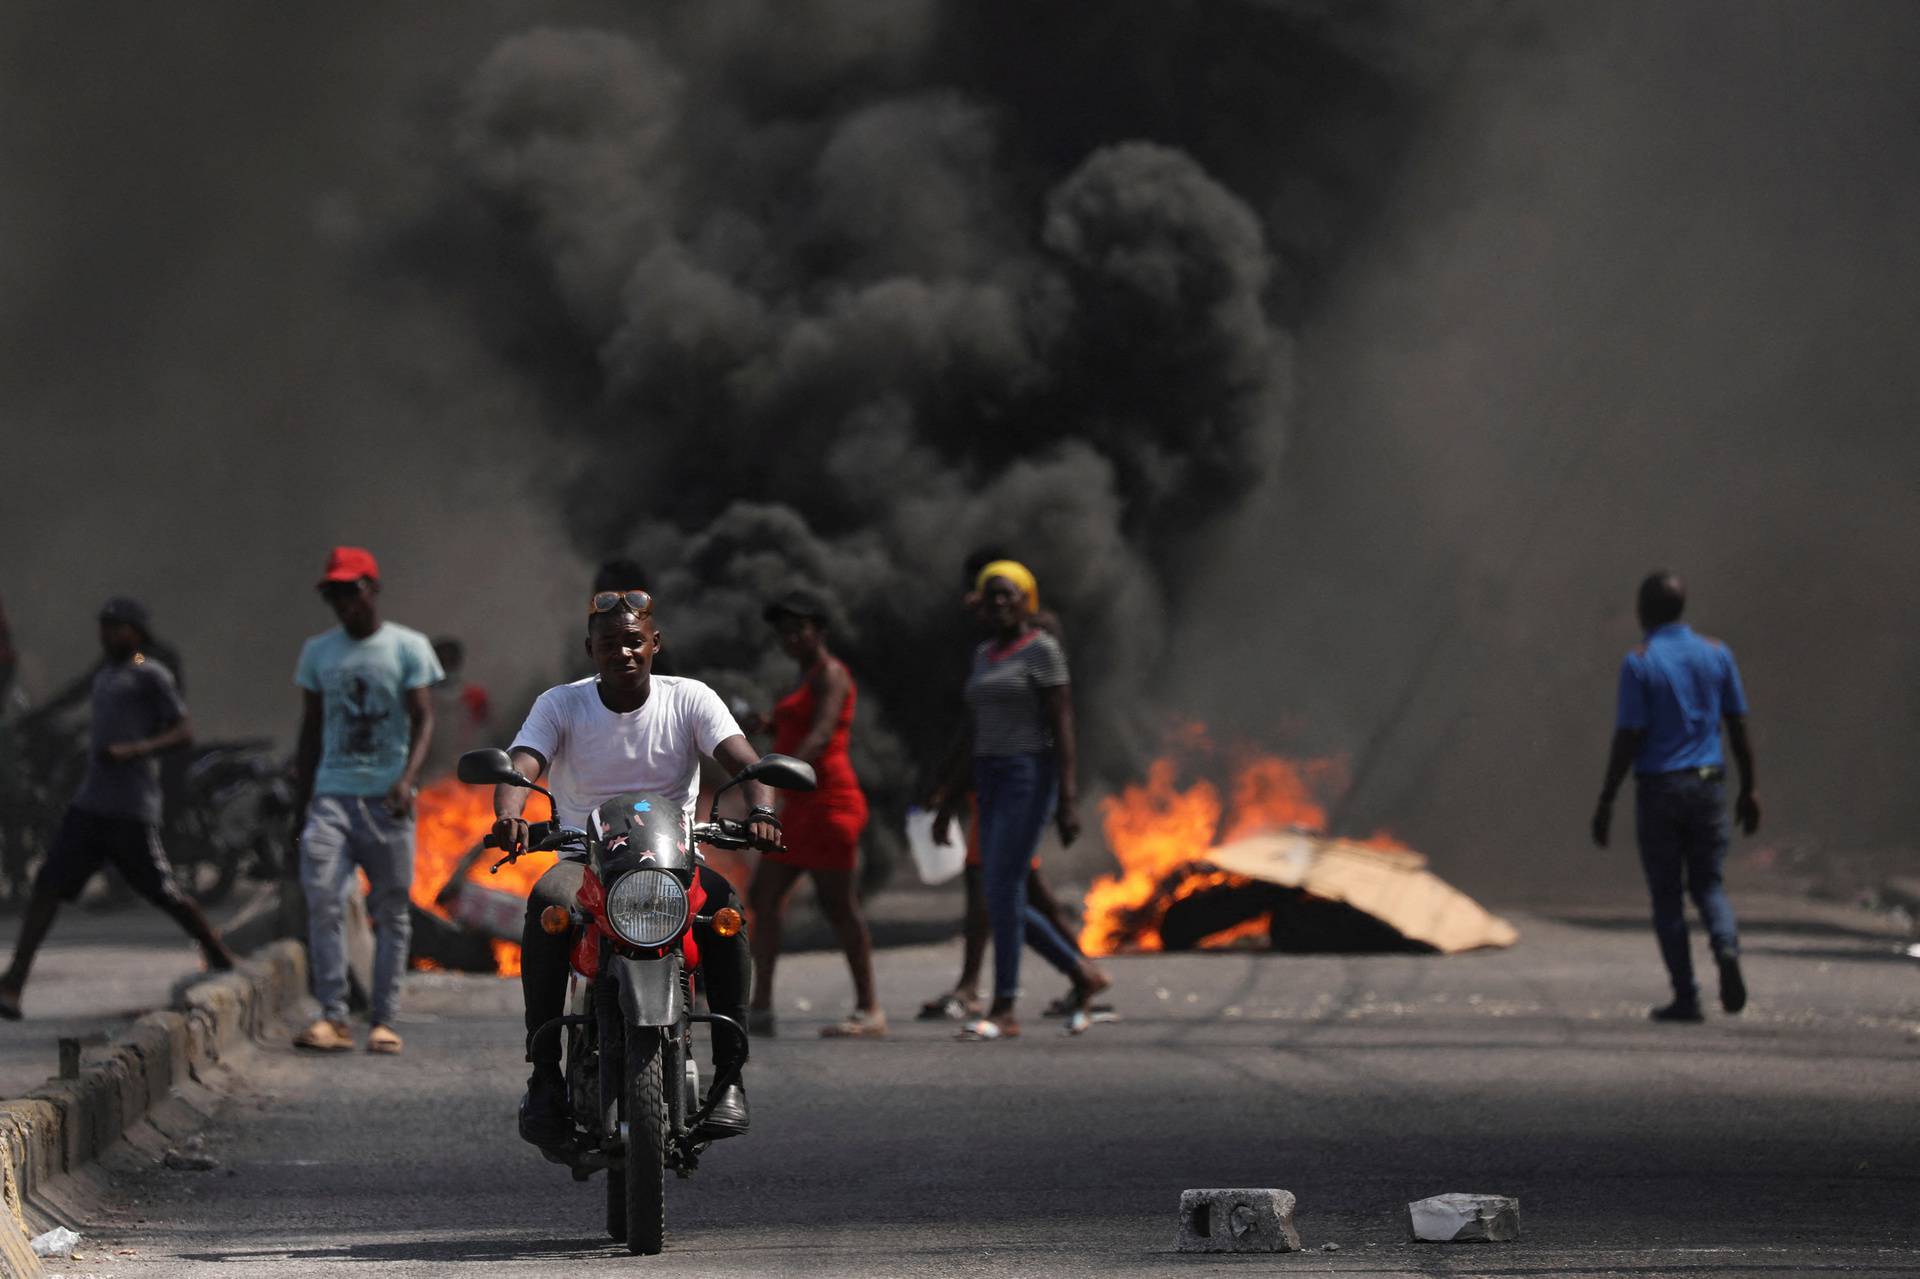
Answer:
(1005, 693)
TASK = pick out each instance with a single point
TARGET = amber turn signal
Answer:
(727, 921)
(556, 919)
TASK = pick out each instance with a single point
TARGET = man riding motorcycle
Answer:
(624, 730)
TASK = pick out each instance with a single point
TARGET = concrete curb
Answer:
(61, 1127)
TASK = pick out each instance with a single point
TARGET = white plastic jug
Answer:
(937, 863)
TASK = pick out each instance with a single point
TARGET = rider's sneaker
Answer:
(729, 1117)
(546, 1118)
(325, 1036)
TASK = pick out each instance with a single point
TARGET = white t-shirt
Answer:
(593, 754)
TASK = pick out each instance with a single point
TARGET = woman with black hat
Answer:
(822, 827)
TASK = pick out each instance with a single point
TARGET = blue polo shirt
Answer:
(1676, 688)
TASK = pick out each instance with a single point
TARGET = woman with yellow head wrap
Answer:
(1020, 717)
(1014, 572)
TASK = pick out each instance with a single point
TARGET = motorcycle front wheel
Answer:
(645, 1182)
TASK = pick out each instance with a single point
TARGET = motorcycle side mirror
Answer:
(782, 772)
(489, 764)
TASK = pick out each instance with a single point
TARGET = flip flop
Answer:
(985, 1030)
(949, 1007)
(1085, 1017)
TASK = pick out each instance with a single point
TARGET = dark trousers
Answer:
(725, 972)
(1681, 820)
(1016, 794)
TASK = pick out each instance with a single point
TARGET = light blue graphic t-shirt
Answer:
(363, 699)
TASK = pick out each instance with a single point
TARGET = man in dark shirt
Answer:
(1676, 689)
(115, 816)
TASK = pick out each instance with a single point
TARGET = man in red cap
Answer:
(366, 724)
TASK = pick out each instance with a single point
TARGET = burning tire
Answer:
(1199, 916)
(643, 1187)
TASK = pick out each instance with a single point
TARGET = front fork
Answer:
(646, 992)
(659, 993)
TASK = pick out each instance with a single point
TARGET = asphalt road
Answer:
(1783, 1142)
(102, 967)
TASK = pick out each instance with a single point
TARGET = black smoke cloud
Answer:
(829, 294)
(1643, 295)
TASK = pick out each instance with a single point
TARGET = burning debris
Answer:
(1191, 880)
(464, 918)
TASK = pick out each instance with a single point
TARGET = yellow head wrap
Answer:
(1017, 573)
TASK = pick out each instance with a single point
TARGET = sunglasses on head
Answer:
(613, 601)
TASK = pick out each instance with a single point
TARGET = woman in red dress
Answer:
(821, 827)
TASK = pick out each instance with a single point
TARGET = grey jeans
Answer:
(345, 832)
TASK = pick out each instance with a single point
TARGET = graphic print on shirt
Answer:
(359, 709)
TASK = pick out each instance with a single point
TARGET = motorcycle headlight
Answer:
(647, 907)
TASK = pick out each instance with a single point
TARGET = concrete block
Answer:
(227, 1001)
(147, 1077)
(129, 1074)
(1459, 1218)
(153, 1051)
(173, 1030)
(1237, 1221)
(35, 1139)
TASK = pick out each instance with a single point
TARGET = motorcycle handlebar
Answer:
(722, 833)
(542, 837)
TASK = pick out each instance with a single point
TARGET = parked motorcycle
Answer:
(226, 816)
(627, 1035)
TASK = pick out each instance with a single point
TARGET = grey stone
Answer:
(181, 1161)
(1237, 1221)
(1459, 1218)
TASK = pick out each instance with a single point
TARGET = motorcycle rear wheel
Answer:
(645, 1180)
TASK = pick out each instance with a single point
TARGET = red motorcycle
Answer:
(626, 1037)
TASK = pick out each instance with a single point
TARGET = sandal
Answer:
(951, 1006)
(986, 1029)
(857, 1025)
(1083, 991)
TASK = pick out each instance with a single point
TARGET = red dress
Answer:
(822, 826)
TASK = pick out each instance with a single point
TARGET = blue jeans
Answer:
(344, 832)
(1681, 820)
(1015, 793)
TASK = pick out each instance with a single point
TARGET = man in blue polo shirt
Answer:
(1676, 689)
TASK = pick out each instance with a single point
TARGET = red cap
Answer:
(350, 564)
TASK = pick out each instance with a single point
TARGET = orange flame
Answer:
(450, 819)
(1160, 834)
(1153, 830)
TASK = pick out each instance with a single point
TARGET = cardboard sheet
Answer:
(1394, 886)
